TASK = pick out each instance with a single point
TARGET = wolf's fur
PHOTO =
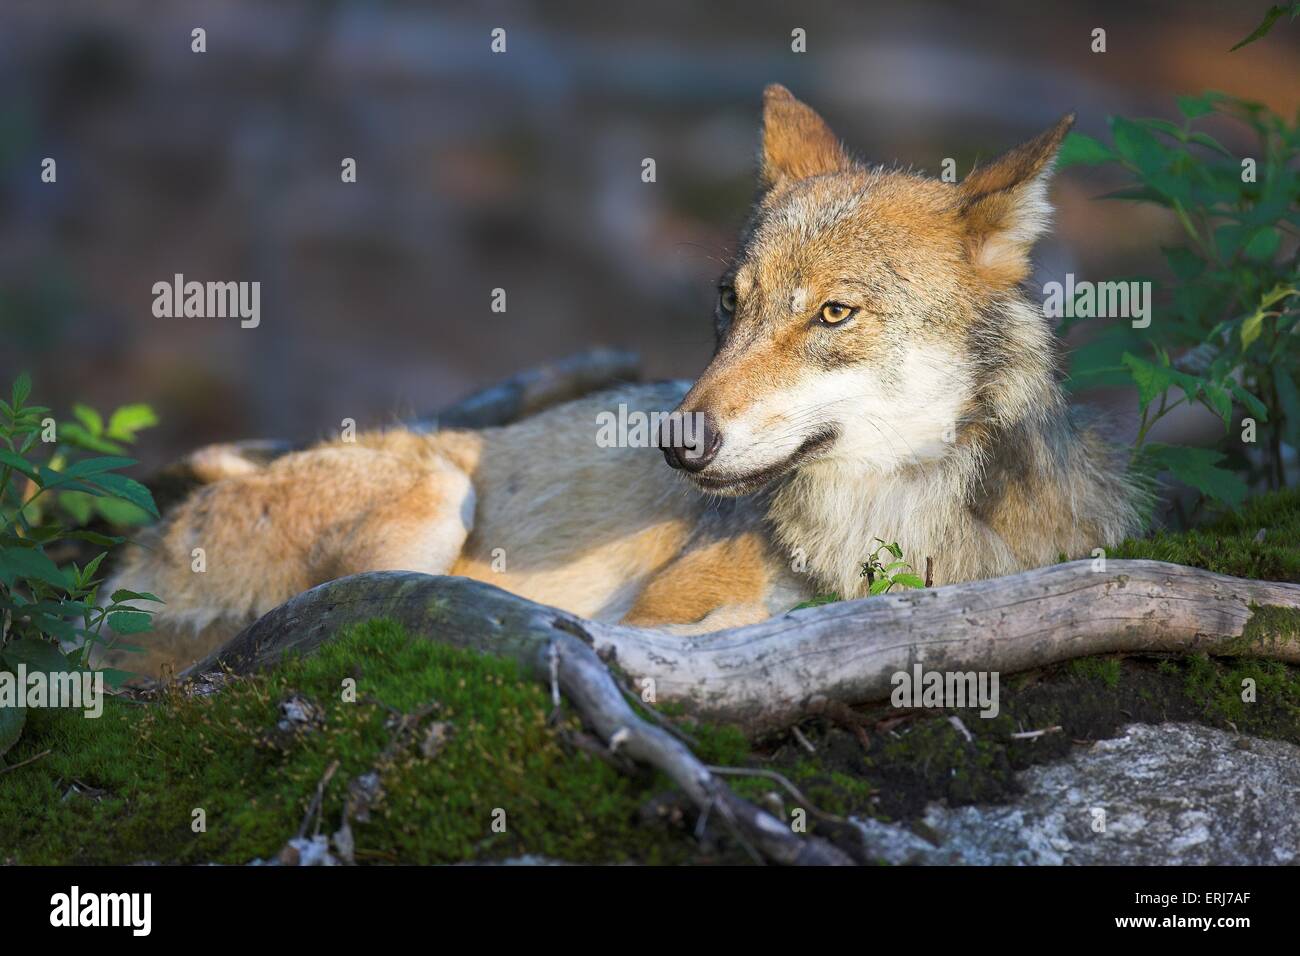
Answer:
(931, 417)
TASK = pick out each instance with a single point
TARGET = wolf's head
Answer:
(865, 318)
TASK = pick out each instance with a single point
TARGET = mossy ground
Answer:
(123, 788)
(1228, 544)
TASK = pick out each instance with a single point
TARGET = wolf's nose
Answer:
(690, 448)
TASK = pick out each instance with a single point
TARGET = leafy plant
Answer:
(1270, 17)
(885, 577)
(52, 617)
(881, 577)
(1223, 332)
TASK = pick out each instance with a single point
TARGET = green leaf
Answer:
(22, 388)
(1194, 106)
(11, 726)
(128, 489)
(1251, 328)
(1138, 194)
(1218, 400)
(88, 572)
(121, 512)
(1199, 468)
(94, 537)
(89, 418)
(74, 434)
(1079, 149)
(1253, 404)
(29, 564)
(1137, 146)
(1270, 17)
(1205, 139)
(129, 419)
(1151, 380)
(909, 580)
(18, 463)
(1163, 126)
(122, 594)
(97, 466)
(880, 586)
(1275, 295)
(130, 622)
(817, 601)
(1263, 245)
(37, 654)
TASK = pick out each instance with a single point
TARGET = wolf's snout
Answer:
(690, 440)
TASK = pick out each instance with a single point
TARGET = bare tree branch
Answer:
(767, 675)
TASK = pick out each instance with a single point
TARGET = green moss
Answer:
(1228, 546)
(1105, 669)
(1271, 627)
(123, 788)
(1260, 696)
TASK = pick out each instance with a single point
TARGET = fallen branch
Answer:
(767, 675)
(24, 763)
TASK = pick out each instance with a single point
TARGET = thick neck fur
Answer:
(1023, 483)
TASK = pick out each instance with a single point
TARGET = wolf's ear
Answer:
(1005, 208)
(797, 143)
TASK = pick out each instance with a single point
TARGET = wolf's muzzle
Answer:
(696, 455)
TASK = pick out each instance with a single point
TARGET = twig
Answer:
(654, 715)
(4, 770)
(803, 741)
(314, 808)
(553, 657)
(1033, 734)
(961, 728)
(784, 781)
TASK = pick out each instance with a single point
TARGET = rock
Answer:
(297, 712)
(301, 851)
(897, 845)
(1167, 794)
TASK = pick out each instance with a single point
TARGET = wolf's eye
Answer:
(727, 298)
(833, 313)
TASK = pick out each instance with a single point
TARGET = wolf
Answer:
(879, 373)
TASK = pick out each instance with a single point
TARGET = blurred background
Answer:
(477, 171)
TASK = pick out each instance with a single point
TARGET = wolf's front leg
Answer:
(726, 582)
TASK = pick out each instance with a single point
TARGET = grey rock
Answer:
(1167, 794)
